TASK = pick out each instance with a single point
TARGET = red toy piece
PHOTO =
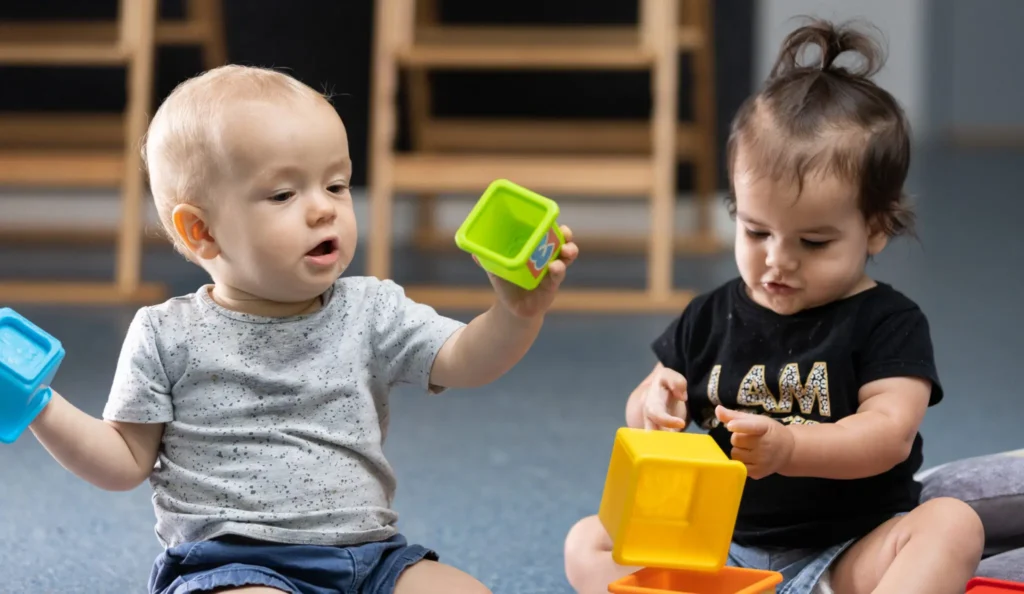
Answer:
(990, 586)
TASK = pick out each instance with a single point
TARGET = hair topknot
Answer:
(832, 41)
(818, 115)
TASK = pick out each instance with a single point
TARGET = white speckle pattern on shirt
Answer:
(274, 427)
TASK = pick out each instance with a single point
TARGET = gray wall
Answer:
(976, 74)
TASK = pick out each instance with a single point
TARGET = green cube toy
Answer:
(513, 233)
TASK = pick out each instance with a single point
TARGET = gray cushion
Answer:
(994, 486)
(1007, 566)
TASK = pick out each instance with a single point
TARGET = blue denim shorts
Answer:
(371, 568)
(801, 569)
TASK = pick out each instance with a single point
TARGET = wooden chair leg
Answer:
(214, 44)
(706, 169)
(139, 33)
(660, 28)
(425, 235)
(383, 124)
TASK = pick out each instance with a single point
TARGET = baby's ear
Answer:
(193, 231)
(878, 236)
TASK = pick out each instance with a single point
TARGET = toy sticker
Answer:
(542, 255)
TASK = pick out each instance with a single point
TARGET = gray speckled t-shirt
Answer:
(274, 426)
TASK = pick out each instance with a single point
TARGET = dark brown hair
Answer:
(828, 119)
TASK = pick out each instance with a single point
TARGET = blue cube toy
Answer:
(29, 358)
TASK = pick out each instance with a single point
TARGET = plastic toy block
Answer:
(991, 586)
(670, 500)
(728, 580)
(29, 358)
(513, 234)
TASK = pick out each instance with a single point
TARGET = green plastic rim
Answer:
(545, 224)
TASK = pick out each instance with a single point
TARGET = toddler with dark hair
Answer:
(805, 369)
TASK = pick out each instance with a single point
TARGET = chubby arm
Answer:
(110, 455)
(879, 436)
(485, 349)
(496, 340)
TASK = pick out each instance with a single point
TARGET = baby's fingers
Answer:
(743, 455)
(556, 270)
(741, 422)
(744, 441)
(664, 422)
(569, 253)
(662, 418)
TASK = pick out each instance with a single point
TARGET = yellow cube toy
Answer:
(670, 500)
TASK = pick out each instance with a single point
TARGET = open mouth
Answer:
(324, 248)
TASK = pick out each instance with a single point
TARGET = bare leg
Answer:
(431, 577)
(588, 558)
(934, 549)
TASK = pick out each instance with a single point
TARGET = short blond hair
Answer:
(181, 150)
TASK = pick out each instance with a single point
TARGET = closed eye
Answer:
(757, 234)
(282, 196)
(815, 245)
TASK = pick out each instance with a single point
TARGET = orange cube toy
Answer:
(728, 580)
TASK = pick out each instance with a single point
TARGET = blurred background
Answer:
(618, 109)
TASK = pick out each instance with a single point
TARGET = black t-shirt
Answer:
(806, 367)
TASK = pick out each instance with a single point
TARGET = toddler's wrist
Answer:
(789, 448)
(518, 317)
(43, 413)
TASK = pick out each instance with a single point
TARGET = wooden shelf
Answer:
(494, 47)
(576, 300)
(64, 130)
(594, 176)
(61, 54)
(598, 160)
(167, 32)
(79, 293)
(556, 136)
(690, 38)
(560, 47)
(61, 150)
(689, 244)
(73, 236)
(62, 169)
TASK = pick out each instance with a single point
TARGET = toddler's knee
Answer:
(583, 550)
(575, 554)
(960, 526)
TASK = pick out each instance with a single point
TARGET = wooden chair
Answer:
(595, 159)
(82, 151)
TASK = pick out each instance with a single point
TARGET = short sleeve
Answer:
(141, 392)
(671, 346)
(900, 345)
(408, 336)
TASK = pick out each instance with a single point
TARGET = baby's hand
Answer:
(763, 444)
(665, 401)
(529, 304)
